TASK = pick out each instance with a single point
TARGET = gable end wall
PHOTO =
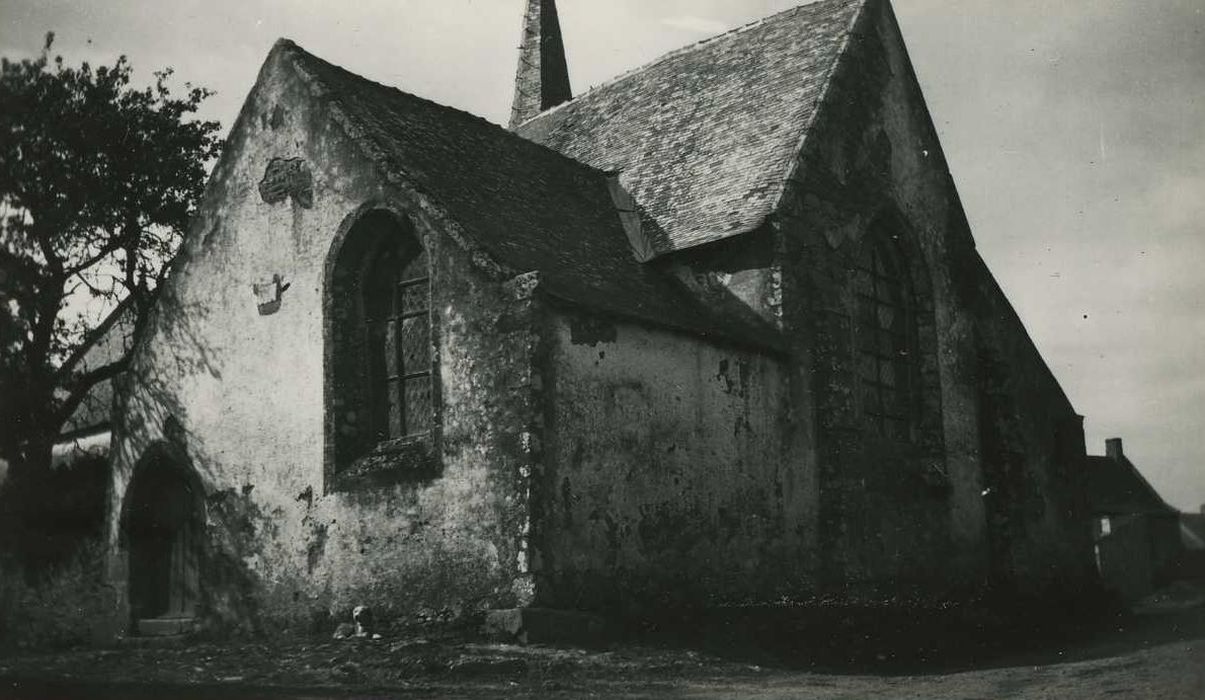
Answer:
(281, 549)
(887, 523)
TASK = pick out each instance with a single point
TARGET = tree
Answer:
(97, 183)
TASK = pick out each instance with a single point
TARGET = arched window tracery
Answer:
(396, 326)
(380, 394)
(886, 337)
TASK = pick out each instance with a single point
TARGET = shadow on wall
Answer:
(152, 445)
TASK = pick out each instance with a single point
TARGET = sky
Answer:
(1075, 131)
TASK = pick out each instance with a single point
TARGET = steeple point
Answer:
(542, 78)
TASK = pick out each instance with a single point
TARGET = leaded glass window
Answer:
(380, 392)
(397, 336)
(886, 339)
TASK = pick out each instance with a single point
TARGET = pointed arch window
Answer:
(886, 332)
(380, 392)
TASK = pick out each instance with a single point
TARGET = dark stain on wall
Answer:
(287, 178)
(316, 547)
(228, 589)
(723, 377)
(591, 330)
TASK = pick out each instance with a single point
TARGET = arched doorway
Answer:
(164, 520)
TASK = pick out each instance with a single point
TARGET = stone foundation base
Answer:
(547, 625)
(165, 626)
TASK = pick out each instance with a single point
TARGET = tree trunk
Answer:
(21, 500)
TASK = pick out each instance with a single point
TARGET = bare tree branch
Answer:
(105, 251)
(92, 338)
(83, 385)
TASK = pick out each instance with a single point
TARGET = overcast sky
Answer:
(1075, 130)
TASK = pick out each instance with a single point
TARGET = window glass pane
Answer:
(416, 345)
(866, 308)
(880, 268)
(867, 367)
(396, 417)
(389, 349)
(415, 268)
(413, 297)
(886, 317)
(887, 345)
(870, 397)
(897, 402)
(375, 399)
(418, 404)
(378, 286)
(887, 374)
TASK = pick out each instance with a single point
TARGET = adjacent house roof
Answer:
(706, 136)
(1192, 530)
(1115, 487)
(527, 206)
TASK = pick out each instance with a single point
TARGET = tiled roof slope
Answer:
(530, 208)
(705, 136)
(1116, 487)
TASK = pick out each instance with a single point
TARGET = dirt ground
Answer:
(1156, 653)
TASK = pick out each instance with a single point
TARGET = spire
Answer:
(542, 79)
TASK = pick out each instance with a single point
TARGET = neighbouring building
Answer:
(1192, 539)
(70, 497)
(714, 332)
(1137, 534)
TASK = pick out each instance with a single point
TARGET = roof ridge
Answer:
(296, 51)
(681, 50)
(293, 47)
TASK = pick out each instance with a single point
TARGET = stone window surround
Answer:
(925, 440)
(397, 460)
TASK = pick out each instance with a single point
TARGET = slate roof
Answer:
(529, 207)
(706, 136)
(1115, 487)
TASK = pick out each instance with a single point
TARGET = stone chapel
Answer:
(712, 333)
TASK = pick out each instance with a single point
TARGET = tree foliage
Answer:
(98, 180)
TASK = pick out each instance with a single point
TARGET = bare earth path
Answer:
(1155, 655)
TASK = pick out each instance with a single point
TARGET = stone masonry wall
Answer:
(1032, 451)
(671, 475)
(281, 548)
(899, 517)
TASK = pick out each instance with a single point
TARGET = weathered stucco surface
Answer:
(1039, 527)
(891, 520)
(248, 392)
(671, 473)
